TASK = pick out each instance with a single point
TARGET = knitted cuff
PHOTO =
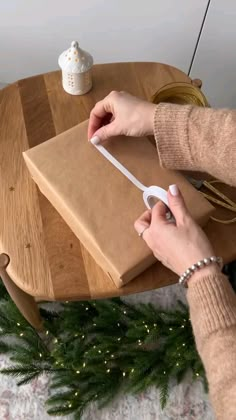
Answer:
(171, 135)
(212, 304)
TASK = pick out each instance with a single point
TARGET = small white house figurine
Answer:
(76, 70)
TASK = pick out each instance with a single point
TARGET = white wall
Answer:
(215, 61)
(34, 32)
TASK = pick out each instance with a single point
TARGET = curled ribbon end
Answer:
(95, 140)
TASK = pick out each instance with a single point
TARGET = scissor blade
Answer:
(197, 183)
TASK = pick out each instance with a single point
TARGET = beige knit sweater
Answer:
(204, 139)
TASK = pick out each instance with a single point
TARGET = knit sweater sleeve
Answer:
(212, 304)
(204, 139)
(194, 138)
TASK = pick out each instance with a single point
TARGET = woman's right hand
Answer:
(120, 113)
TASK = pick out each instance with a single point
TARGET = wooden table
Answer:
(46, 260)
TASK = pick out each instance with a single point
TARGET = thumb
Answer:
(177, 205)
(106, 131)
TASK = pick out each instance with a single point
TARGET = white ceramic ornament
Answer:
(76, 70)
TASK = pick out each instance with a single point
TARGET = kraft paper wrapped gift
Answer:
(98, 202)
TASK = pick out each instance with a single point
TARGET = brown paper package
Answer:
(98, 202)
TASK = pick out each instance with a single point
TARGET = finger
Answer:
(177, 204)
(107, 131)
(159, 212)
(97, 116)
(143, 221)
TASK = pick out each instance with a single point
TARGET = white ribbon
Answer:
(149, 193)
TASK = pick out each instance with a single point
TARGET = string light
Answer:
(148, 331)
(62, 364)
(94, 325)
(170, 329)
(82, 337)
(47, 332)
(177, 364)
(197, 374)
(108, 370)
(132, 370)
(164, 372)
(118, 339)
(155, 325)
(99, 351)
(140, 343)
(182, 326)
(146, 326)
(124, 373)
(40, 355)
(183, 344)
(76, 335)
(70, 405)
(56, 340)
(78, 371)
(125, 312)
(76, 394)
(87, 308)
(118, 324)
(21, 334)
(18, 324)
(84, 364)
(112, 356)
(105, 362)
(94, 347)
(67, 301)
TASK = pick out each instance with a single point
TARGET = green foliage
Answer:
(94, 350)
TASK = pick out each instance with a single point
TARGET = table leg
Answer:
(25, 303)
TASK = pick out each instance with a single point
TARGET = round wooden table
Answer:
(47, 261)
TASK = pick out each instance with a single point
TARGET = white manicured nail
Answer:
(174, 190)
(95, 140)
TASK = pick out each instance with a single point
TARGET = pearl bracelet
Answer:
(195, 267)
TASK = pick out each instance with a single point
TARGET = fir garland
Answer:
(92, 350)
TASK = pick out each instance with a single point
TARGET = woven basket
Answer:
(180, 93)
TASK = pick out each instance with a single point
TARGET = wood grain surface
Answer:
(46, 259)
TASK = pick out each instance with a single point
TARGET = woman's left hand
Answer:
(177, 245)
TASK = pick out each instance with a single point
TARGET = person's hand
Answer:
(120, 113)
(177, 245)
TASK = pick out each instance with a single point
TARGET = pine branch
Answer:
(94, 350)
